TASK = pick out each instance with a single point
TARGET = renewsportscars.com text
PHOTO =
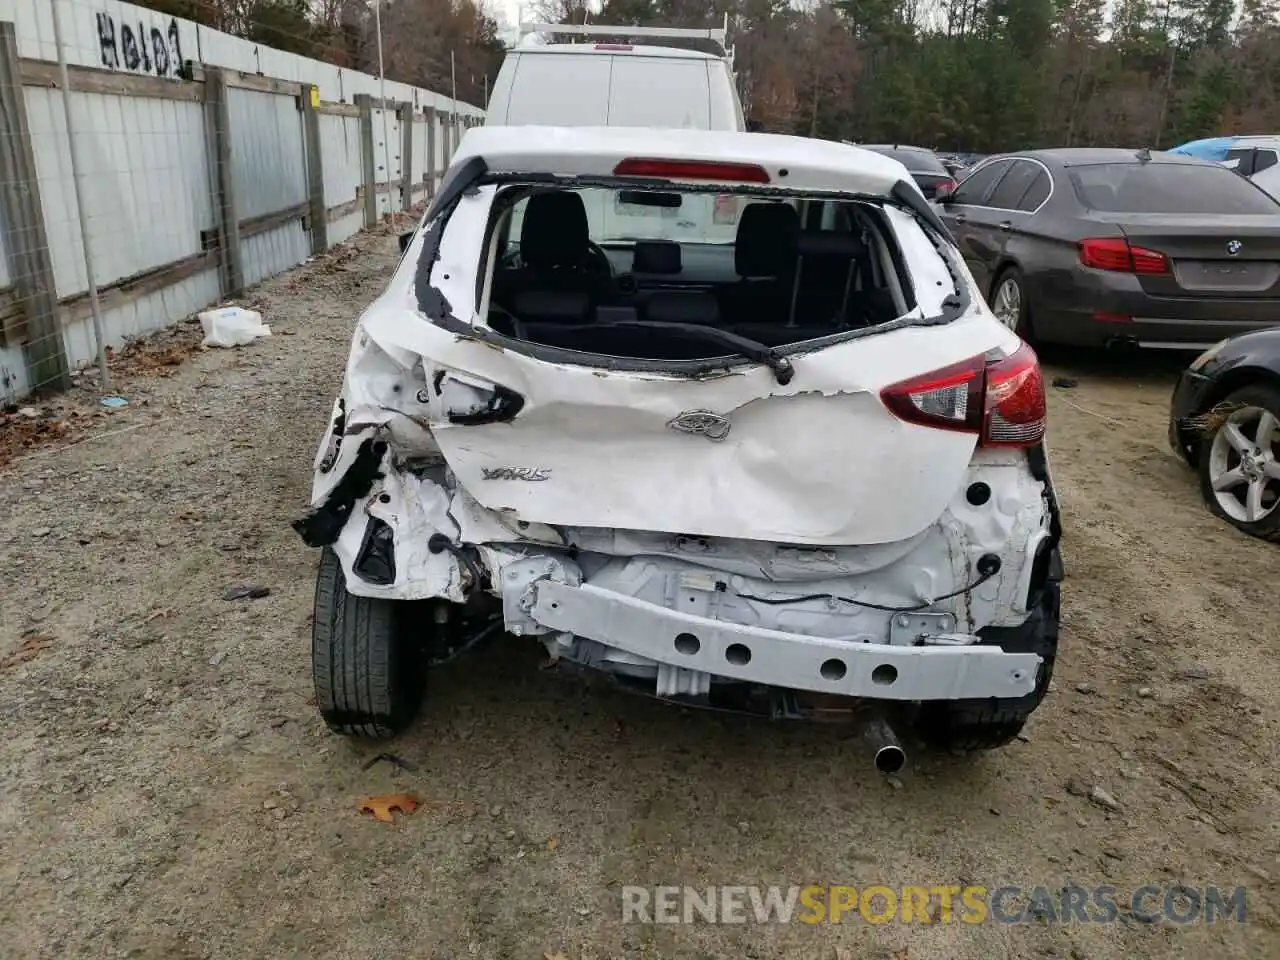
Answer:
(1152, 903)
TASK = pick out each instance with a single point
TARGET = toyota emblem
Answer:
(1234, 247)
(702, 423)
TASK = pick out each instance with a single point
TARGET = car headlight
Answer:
(1208, 355)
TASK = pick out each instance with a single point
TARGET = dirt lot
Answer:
(170, 792)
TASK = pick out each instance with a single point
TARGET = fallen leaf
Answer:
(382, 806)
(27, 650)
(552, 843)
(558, 955)
(844, 953)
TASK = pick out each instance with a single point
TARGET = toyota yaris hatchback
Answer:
(759, 444)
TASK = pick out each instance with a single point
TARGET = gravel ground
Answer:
(170, 792)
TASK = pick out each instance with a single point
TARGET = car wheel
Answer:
(991, 723)
(1009, 302)
(1240, 461)
(369, 675)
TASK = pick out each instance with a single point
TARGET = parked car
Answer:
(955, 166)
(959, 164)
(1225, 422)
(1102, 247)
(1257, 158)
(929, 172)
(616, 84)
(794, 473)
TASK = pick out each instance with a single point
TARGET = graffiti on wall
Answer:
(140, 48)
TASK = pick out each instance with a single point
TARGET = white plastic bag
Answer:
(232, 327)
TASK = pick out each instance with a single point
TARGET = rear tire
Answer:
(1017, 314)
(369, 675)
(991, 723)
(1247, 409)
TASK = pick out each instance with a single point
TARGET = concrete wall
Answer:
(149, 168)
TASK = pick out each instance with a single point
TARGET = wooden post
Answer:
(430, 113)
(368, 168)
(405, 113)
(227, 222)
(318, 215)
(30, 262)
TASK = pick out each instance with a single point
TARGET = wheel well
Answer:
(1238, 379)
(998, 274)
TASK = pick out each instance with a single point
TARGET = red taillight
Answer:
(1002, 400)
(950, 398)
(1149, 261)
(1112, 253)
(692, 170)
(945, 185)
(614, 46)
(1014, 407)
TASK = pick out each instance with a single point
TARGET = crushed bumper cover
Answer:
(697, 647)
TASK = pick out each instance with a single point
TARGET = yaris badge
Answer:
(702, 423)
(1234, 247)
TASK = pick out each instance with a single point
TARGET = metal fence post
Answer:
(405, 111)
(431, 152)
(218, 127)
(368, 166)
(319, 213)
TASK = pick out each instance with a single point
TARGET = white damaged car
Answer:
(746, 437)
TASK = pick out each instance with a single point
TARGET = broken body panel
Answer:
(685, 526)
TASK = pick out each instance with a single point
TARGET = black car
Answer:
(1225, 422)
(1100, 247)
(926, 169)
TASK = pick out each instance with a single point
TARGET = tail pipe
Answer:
(1121, 344)
(887, 752)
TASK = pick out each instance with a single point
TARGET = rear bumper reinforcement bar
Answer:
(775, 658)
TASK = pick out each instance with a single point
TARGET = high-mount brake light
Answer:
(614, 46)
(1120, 256)
(999, 398)
(714, 170)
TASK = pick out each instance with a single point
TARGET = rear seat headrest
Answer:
(766, 243)
(555, 232)
(679, 306)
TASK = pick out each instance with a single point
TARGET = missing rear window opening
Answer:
(561, 271)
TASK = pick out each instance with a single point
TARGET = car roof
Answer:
(618, 49)
(795, 163)
(1084, 156)
(1216, 148)
(897, 148)
(893, 146)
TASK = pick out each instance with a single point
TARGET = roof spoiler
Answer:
(717, 35)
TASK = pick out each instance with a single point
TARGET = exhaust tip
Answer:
(890, 759)
(886, 748)
(1125, 344)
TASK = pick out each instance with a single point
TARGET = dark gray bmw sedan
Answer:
(1107, 247)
